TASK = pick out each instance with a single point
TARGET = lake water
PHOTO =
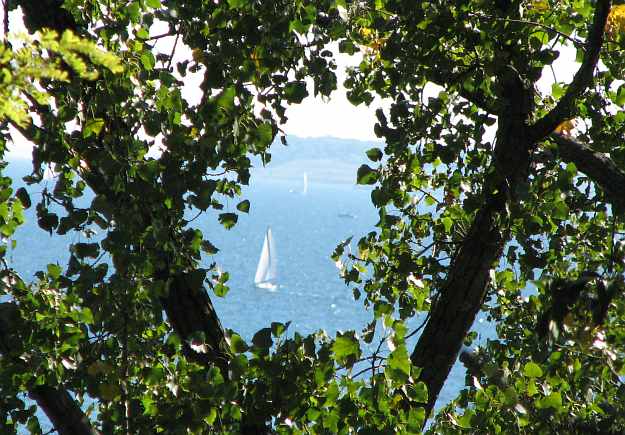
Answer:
(306, 229)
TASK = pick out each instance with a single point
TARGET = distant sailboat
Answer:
(266, 271)
(305, 191)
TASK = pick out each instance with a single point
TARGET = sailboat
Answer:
(305, 191)
(266, 271)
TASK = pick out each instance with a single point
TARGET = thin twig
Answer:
(427, 317)
(162, 35)
(428, 194)
(173, 50)
(6, 18)
(195, 217)
(367, 369)
(532, 23)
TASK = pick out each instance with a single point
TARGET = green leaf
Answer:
(465, 421)
(265, 134)
(398, 361)
(421, 392)
(374, 154)
(147, 60)
(416, 417)
(23, 196)
(237, 344)
(345, 346)
(85, 316)
(221, 290)
(210, 418)
(225, 100)
(54, 270)
(447, 223)
(532, 370)
(277, 329)
(149, 406)
(295, 92)
(92, 126)
(620, 96)
(560, 210)
(244, 206)
(236, 4)
(263, 339)
(228, 220)
(366, 175)
(82, 250)
(511, 396)
(153, 3)
(208, 247)
(553, 400)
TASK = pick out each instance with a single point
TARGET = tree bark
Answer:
(597, 166)
(191, 311)
(453, 313)
(62, 410)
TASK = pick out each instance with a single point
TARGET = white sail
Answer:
(305, 191)
(266, 271)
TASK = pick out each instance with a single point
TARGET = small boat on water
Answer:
(347, 216)
(267, 270)
(304, 189)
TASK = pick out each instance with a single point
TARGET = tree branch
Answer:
(597, 166)
(582, 79)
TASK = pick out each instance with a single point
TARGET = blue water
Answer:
(306, 229)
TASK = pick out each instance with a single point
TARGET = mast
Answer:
(272, 270)
(263, 263)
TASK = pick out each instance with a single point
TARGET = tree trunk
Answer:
(62, 410)
(453, 313)
(191, 311)
(462, 296)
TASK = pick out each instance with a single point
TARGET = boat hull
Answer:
(266, 285)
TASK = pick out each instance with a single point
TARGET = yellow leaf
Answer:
(616, 20)
(197, 55)
(540, 5)
(566, 127)
(366, 32)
